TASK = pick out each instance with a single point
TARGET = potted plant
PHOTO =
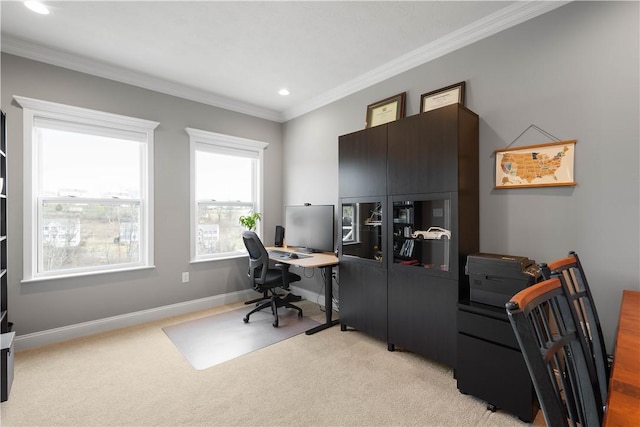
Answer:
(250, 221)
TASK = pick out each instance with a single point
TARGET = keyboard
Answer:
(285, 255)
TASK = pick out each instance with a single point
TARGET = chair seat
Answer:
(274, 278)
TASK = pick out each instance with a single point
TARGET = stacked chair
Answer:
(574, 283)
(558, 330)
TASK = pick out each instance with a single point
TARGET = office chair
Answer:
(265, 280)
(574, 283)
(555, 355)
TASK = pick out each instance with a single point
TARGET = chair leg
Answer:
(274, 309)
(289, 305)
(258, 308)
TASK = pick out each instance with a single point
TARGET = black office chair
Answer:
(265, 280)
(555, 355)
(574, 283)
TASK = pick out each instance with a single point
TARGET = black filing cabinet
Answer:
(490, 365)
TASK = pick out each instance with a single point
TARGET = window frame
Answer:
(201, 140)
(114, 125)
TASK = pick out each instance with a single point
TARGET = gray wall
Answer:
(55, 303)
(574, 72)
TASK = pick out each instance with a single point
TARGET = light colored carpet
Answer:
(211, 340)
(136, 377)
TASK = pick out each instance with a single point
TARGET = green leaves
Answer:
(250, 221)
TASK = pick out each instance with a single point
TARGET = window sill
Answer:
(222, 258)
(84, 274)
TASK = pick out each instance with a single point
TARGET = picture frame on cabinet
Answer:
(541, 165)
(453, 94)
(385, 111)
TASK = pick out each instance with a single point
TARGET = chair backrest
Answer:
(258, 258)
(574, 282)
(555, 355)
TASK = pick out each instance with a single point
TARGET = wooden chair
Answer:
(555, 355)
(576, 288)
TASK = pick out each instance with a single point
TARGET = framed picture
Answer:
(385, 111)
(453, 94)
(542, 165)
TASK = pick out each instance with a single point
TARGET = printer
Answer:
(495, 278)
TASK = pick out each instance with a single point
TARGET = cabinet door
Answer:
(363, 296)
(363, 163)
(424, 233)
(423, 152)
(363, 228)
(422, 314)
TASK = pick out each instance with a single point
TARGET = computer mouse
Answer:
(292, 255)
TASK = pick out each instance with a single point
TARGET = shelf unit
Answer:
(3, 224)
(6, 335)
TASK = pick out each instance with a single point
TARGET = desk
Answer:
(324, 260)
(623, 402)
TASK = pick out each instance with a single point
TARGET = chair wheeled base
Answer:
(276, 302)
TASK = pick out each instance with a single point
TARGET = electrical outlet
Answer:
(185, 277)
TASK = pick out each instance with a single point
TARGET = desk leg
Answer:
(328, 303)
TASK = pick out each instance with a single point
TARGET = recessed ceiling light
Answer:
(283, 92)
(37, 7)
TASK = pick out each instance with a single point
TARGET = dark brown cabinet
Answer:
(434, 152)
(6, 336)
(424, 172)
(490, 365)
(363, 163)
(363, 302)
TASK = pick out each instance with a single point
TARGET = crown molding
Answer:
(63, 59)
(503, 19)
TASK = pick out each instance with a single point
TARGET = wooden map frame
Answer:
(507, 178)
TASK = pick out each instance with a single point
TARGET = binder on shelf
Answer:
(407, 248)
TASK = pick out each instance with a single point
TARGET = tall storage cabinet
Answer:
(4, 325)
(431, 166)
(363, 194)
(6, 336)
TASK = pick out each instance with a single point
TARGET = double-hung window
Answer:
(226, 183)
(88, 191)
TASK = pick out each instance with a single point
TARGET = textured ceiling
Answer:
(239, 54)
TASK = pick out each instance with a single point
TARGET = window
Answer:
(87, 189)
(226, 183)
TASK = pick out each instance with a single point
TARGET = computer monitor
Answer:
(310, 227)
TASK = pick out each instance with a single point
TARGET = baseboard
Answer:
(312, 296)
(51, 336)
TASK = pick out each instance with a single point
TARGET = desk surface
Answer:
(623, 403)
(317, 259)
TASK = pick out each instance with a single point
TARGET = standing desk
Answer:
(623, 401)
(324, 260)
